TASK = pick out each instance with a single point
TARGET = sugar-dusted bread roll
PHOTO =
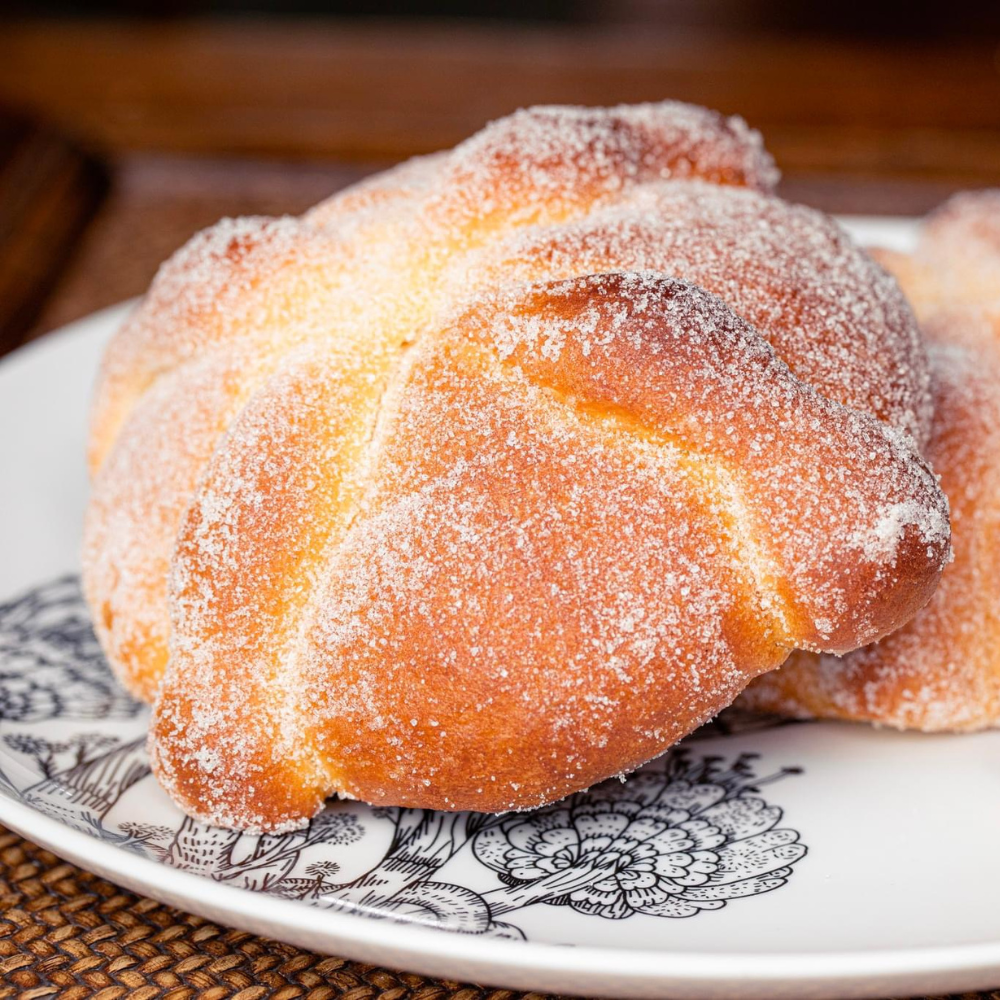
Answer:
(499, 473)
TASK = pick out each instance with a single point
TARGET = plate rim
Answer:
(644, 964)
(521, 964)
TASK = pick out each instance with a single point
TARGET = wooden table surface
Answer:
(194, 120)
(183, 122)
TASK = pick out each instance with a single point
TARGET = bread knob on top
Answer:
(481, 483)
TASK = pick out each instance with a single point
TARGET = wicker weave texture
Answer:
(65, 933)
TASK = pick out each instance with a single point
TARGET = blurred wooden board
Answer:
(49, 189)
(374, 90)
(200, 119)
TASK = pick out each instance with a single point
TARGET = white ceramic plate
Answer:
(759, 860)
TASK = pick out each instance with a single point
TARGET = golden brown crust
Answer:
(828, 310)
(280, 489)
(311, 416)
(657, 380)
(137, 500)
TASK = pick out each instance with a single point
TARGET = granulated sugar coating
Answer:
(497, 474)
(828, 310)
(545, 163)
(204, 298)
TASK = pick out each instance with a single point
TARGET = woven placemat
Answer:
(66, 933)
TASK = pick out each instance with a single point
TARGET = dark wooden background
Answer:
(183, 121)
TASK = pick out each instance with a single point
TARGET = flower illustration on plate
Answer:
(668, 843)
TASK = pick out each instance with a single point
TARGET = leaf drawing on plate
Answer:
(51, 665)
(82, 795)
(47, 755)
(263, 863)
(404, 883)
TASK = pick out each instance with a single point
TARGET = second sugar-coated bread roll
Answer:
(583, 515)
(941, 671)
(956, 264)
